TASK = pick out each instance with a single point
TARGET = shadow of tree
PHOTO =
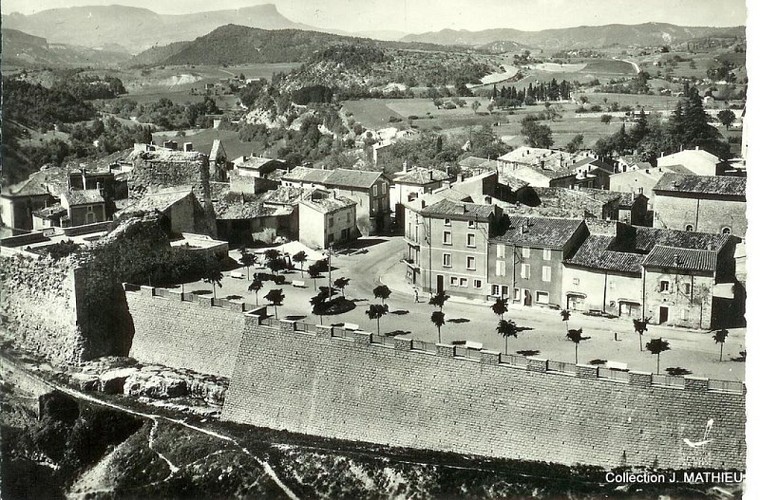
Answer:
(400, 312)
(597, 362)
(234, 297)
(397, 332)
(202, 292)
(677, 371)
(459, 320)
(742, 357)
(524, 328)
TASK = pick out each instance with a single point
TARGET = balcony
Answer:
(411, 263)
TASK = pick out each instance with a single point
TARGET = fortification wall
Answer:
(185, 330)
(39, 302)
(351, 385)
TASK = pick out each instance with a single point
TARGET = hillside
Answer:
(138, 29)
(579, 37)
(23, 50)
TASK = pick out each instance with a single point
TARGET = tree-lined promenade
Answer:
(525, 331)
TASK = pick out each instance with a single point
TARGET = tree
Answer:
(248, 260)
(438, 319)
(300, 258)
(377, 311)
(314, 273)
(577, 337)
(507, 329)
(254, 287)
(382, 292)
(726, 117)
(439, 300)
(212, 273)
(275, 297)
(640, 325)
(720, 338)
(319, 304)
(575, 144)
(658, 346)
(565, 314)
(537, 136)
(341, 284)
(500, 307)
(605, 118)
(475, 106)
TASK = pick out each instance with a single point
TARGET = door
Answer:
(528, 299)
(663, 314)
(439, 284)
(504, 292)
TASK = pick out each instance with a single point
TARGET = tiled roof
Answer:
(48, 180)
(83, 197)
(285, 195)
(543, 232)
(472, 162)
(702, 184)
(328, 204)
(682, 259)
(458, 210)
(676, 169)
(421, 176)
(306, 174)
(50, 212)
(645, 238)
(602, 227)
(691, 154)
(511, 181)
(594, 253)
(536, 175)
(256, 162)
(352, 178)
(160, 200)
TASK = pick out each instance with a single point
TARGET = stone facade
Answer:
(350, 385)
(722, 215)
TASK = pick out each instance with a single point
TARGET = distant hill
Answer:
(29, 51)
(648, 34)
(138, 29)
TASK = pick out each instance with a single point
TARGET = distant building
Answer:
(642, 180)
(706, 204)
(257, 166)
(697, 161)
(86, 206)
(325, 220)
(370, 191)
(179, 205)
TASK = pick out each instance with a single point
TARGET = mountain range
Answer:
(136, 29)
(28, 51)
(647, 34)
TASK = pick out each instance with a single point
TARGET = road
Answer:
(545, 332)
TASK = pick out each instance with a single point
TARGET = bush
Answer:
(394, 119)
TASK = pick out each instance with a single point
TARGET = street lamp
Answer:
(328, 252)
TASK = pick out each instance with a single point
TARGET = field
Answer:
(203, 139)
(374, 114)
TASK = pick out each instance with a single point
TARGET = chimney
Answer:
(422, 203)
(523, 229)
(489, 200)
(460, 177)
(404, 166)
(99, 187)
(188, 146)
(696, 148)
(430, 173)
(676, 259)
(662, 154)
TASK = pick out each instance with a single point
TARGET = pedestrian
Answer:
(416, 296)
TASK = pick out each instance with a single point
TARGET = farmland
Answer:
(203, 139)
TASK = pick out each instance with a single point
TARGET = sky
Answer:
(416, 16)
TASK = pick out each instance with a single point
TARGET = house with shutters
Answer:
(526, 259)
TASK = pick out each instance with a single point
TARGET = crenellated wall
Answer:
(334, 383)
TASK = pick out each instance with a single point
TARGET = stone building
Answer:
(325, 220)
(706, 204)
(697, 161)
(527, 259)
(86, 206)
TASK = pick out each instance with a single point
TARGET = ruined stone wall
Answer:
(352, 385)
(185, 331)
(38, 299)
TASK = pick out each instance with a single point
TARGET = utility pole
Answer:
(329, 271)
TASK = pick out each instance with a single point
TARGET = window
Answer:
(463, 282)
(470, 263)
(501, 268)
(470, 240)
(542, 297)
(664, 285)
(330, 238)
(477, 284)
(546, 273)
(516, 294)
(501, 251)
(453, 281)
(689, 227)
(687, 288)
(526, 252)
(331, 221)
(447, 237)
(576, 281)
(447, 260)
(525, 271)
(726, 230)
(471, 224)
(447, 222)
(385, 187)
(685, 315)
(547, 254)
(374, 190)
(495, 290)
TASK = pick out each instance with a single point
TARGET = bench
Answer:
(299, 284)
(350, 326)
(237, 275)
